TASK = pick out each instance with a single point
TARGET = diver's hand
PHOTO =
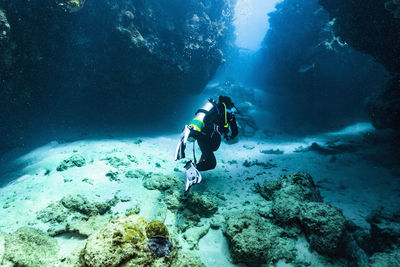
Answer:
(180, 149)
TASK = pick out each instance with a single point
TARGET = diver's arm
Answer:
(234, 128)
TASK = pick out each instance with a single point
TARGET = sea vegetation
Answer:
(124, 241)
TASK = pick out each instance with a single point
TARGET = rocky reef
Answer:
(88, 57)
(295, 209)
(132, 241)
(373, 27)
(239, 214)
(305, 65)
(29, 247)
(76, 214)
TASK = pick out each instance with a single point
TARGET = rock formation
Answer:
(71, 61)
(311, 74)
(373, 27)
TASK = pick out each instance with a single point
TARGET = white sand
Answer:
(350, 183)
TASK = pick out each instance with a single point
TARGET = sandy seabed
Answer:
(346, 180)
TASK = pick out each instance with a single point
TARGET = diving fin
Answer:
(193, 176)
(180, 148)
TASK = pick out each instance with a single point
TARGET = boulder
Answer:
(75, 214)
(133, 241)
(384, 231)
(159, 181)
(249, 246)
(325, 227)
(203, 204)
(297, 202)
(31, 247)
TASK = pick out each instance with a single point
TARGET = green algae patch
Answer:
(126, 241)
(156, 228)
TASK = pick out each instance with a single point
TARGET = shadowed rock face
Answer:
(373, 27)
(107, 59)
(315, 80)
(369, 27)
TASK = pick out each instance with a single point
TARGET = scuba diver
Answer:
(212, 121)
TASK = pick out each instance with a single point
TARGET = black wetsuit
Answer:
(209, 139)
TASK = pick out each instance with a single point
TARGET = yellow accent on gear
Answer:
(195, 127)
(226, 125)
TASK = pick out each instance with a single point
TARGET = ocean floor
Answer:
(132, 176)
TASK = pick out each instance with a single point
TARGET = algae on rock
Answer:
(31, 247)
(124, 241)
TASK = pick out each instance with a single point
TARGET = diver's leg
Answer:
(209, 162)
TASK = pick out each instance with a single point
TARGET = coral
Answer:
(325, 227)
(75, 214)
(124, 241)
(248, 246)
(73, 161)
(296, 202)
(203, 204)
(156, 228)
(31, 247)
(161, 182)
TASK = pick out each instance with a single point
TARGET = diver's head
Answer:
(227, 100)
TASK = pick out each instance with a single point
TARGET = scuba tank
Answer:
(197, 123)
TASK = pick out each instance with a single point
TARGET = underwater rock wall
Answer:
(311, 74)
(106, 61)
(373, 27)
